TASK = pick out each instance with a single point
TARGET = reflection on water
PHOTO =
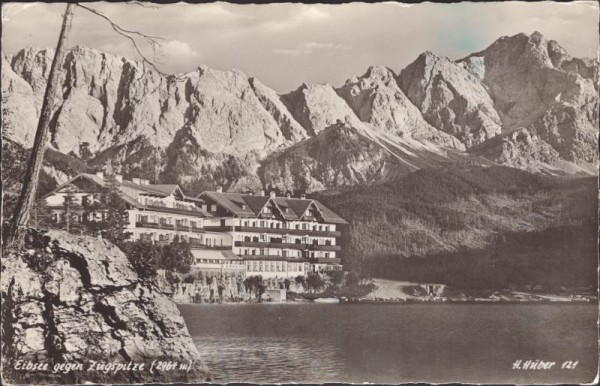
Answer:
(238, 359)
(475, 343)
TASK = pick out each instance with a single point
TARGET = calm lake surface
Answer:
(392, 343)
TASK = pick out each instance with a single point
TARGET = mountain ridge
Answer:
(120, 107)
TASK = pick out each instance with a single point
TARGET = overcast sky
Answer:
(285, 45)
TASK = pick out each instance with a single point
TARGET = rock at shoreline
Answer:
(75, 299)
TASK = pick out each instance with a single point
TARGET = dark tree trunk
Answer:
(30, 179)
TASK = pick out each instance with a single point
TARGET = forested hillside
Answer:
(473, 227)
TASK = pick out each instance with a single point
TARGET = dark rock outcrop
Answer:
(75, 299)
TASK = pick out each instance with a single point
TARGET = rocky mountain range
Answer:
(521, 102)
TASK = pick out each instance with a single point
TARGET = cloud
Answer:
(11, 10)
(176, 49)
(308, 14)
(214, 12)
(306, 48)
(397, 4)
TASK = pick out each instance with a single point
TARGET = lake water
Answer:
(392, 343)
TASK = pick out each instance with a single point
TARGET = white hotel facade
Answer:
(254, 234)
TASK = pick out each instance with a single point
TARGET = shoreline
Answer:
(405, 302)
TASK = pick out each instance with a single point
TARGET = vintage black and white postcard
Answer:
(280, 193)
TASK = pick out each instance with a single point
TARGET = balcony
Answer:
(273, 257)
(257, 244)
(218, 228)
(196, 245)
(325, 260)
(321, 247)
(146, 224)
(184, 211)
(283, 231)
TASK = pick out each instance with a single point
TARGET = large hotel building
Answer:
(254, 233)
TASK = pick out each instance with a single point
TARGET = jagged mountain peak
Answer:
(381, 73)
(317, 106)
(451, 98)
(531, 49)
(376, 98)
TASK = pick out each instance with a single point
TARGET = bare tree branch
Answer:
(153, 41)
(145, 5)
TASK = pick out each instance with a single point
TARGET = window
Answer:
(303, 226)
(285, 253)
(213, 208)
(297, 226)
(327, 255)
(245, 252)
(262, 224)
(245, 223)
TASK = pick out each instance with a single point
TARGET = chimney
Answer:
(303, 196)
(219, 189)
(100, 175)
(288, 195)
(137, 180)
(272, 194)
(119, 177)
(261, 192)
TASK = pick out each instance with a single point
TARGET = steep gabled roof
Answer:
(234, 203)
(283, 205)
(299, 206)
(329, 215)
(147, 189)
(167, 189)
(256, 203)
(194, 199)
(98, 181)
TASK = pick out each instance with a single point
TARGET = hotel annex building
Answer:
(256, 234)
